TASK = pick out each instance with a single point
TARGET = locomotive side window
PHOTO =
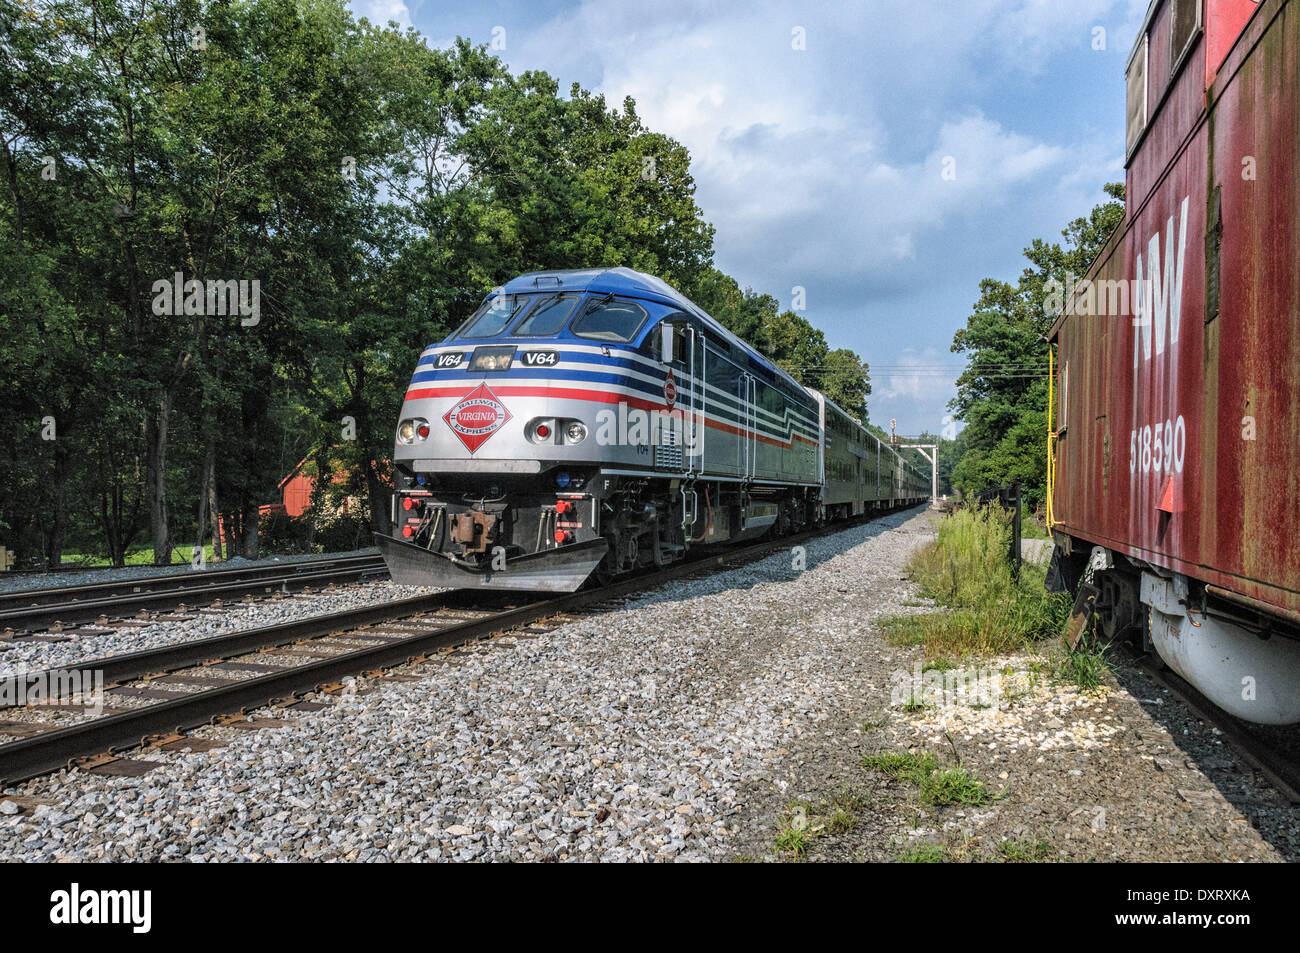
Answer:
(1137, 93)
(492, 317)
(547, 317)
(678, 322)
(610, 321)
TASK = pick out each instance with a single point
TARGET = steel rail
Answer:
(197, 588)
(1281, 773)
(116, 669)
(177, 580)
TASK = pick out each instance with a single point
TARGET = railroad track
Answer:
(358, 641)
(35, 610)
(1278, 766)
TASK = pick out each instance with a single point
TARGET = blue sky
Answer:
(822, 167)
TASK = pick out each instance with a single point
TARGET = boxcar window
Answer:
(1184, 22)
(547, 316)
(611, 321)
(1137, 94)
(492, 317)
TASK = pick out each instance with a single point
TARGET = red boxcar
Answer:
(1177, 414)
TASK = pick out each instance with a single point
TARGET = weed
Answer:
(803, 821)
(923, 854)
(1083, 666)
(934, 783)
(989, 613)
(793, 841)
(1027, 850)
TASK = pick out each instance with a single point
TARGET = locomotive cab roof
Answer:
(627, 283)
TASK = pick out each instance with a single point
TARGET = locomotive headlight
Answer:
(408, 431)
(497, 358)
(575, 432)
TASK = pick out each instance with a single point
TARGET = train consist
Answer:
(1177, 410)
(597, 422)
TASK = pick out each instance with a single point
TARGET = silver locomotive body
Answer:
(537, 448)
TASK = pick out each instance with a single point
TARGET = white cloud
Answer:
(793, 161)
(822, 167)
(381, 11)
(915, 389)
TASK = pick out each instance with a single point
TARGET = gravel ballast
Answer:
(20, 656)
(677, 725)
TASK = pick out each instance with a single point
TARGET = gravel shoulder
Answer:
(1125, 773)
(675, 725)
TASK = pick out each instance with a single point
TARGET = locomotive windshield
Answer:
(610, 321)
(548, 316)
(533, 315)
(492, 317)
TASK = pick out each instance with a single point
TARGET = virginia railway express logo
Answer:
(477, 416)
(670, 390)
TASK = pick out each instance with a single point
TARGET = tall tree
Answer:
(1002, 393)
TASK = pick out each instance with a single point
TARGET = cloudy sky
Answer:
(823, 167)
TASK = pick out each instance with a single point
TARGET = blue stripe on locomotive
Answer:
(714, 403)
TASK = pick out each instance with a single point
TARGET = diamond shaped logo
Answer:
(477, 416)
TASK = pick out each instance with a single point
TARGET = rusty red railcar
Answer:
(1176, 419)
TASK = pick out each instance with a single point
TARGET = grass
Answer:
(924, 854)
(804, 821)
(934, 783)
(143, 556)
(1030, 528)
(966, 571)
(792, 841)
(136, 556)
(1084, 666)
(1027, 850)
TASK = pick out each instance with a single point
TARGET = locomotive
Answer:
(587, 424)
(1176, 412)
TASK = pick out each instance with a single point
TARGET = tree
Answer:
(368, 190)
(1002, 393)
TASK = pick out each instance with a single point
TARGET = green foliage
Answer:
(1002, 394)
(1025, 850)
(934, 783)
(989, 613)
(923, 854)
(374, 185)
(802, 822)
(1085, 665)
